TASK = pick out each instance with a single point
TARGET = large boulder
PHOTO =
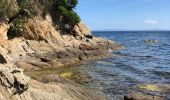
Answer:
(14, 79)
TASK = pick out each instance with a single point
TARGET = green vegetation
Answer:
(62, 12)
(3, 8)
(63, 9)
(16, 27)
(67, 13)
(17, 22)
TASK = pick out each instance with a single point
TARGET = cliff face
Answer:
(42, 45)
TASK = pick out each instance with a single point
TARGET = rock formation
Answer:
(41, 46)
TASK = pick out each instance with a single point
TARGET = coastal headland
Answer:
(32, 41)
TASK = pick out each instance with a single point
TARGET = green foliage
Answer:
(16, 27)
(29, 6)
(66, 10)
(3, 8)
(64, 3)
(72, 17)
(47, 5)
(63, 11)
(73, 3)
(25, 4)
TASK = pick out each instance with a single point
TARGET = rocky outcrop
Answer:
(81, 29)
(41, 45)
(12, 82)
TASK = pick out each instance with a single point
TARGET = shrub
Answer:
(28, 5)
(17, 22)
(16, 27)
(66, 10)
(63, 11)
(72, 17)
(3, 8)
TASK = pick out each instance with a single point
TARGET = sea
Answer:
(138, 63)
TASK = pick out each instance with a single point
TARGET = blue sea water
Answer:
(138, 63)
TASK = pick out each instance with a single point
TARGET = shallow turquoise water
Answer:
(138, 63)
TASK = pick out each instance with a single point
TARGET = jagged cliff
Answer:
(43, 44)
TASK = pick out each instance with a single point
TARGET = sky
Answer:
(125, 14)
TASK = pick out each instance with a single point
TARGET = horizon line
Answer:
(131, 30)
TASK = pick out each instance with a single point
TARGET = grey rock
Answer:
(13, 77)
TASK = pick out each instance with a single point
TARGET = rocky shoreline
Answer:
(33, 37)
(42, 46)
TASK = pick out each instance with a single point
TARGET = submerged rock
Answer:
(150, 92)
(155, 87)
(151, 41)
(140, 96)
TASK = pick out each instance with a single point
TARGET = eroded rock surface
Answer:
(41, 45)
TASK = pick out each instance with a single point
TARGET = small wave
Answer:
(163, 74)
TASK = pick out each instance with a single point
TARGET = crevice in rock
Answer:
(2, 59)
(19, 88)
(44, 60)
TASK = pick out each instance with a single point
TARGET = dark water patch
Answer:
(162, 74)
